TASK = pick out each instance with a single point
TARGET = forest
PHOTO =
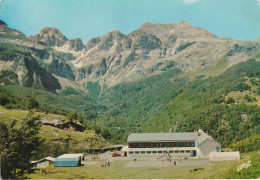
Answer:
(156, 103)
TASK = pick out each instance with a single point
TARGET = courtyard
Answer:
(139, 168)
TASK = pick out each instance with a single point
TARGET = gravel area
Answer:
(145, 161)
(166, 163)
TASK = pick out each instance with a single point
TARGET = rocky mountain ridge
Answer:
(116, 57)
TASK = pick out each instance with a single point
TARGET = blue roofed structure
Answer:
(67, 162)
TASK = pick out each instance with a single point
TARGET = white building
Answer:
(182, 144)
(43, 162)
(224, 156)
(82, 156)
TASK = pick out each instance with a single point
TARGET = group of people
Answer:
(168, 157)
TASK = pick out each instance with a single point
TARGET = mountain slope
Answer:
(32, 64)
(157, 103)
(115, 57)
(148, 80)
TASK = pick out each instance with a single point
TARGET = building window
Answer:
(154, 152)
(187, 151)
(136, 152)
(178, 144)
(185, 144)
(170, 151)
(148, 152)
(177, 151)
(140, 145)
(159, 144)
(160, 152)
(193, 144)
(217, 149)
(131, 152)
(167, 144)
(142, 152)
(149, 145)
(182, 151)
(164, 151)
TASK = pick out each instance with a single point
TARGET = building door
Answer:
(125, 154)
(194, 153)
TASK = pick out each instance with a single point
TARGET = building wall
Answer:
(224, 156)
(206, 147)
(161, 144)
(43, 164)
(158, 152)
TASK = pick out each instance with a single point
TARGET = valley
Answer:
(160, 76)
(116, 80)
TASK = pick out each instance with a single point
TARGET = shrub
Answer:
(73, 116)
(196, 169)
(32, 103)
(230, 100)
(251, 172)
(247, 98)
(242, 87)
(247, 145)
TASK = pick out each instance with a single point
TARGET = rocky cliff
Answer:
(116, 57)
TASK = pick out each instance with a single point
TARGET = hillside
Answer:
(60, 135)
(157, 103)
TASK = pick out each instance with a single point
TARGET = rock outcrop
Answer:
(51, 36)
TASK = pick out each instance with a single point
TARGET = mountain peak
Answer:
(182, 29)
(6, 32)
(50, 30)
(114, 33)
(76, 44)
(50, 36)
(2, 23)
(185, 23)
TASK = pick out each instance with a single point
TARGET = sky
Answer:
(85, 19)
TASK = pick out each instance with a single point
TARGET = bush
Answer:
(4, 101)
(247, 145)
(73, 116)
(251, 172)
(242, 87)
(32, 104)
(247, 98)
(230, 100)
(196, 169)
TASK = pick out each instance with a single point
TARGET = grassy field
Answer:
(117, 170)
(239, 96)
(212, 70)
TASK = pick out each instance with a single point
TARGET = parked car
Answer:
(116, 155)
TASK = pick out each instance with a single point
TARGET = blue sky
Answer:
(238, 19)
